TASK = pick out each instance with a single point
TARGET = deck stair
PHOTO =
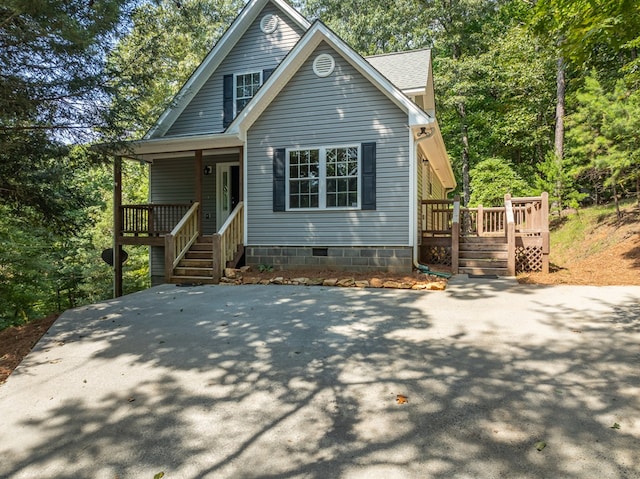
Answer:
(197, 266)
(483, 255)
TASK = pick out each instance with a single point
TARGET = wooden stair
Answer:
(197, 265)
(485, 255)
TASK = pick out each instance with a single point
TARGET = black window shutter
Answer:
(227, 100)
(279, 179)
(266, 73)
(368, 195)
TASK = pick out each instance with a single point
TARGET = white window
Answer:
(245, 87)
(323, 178)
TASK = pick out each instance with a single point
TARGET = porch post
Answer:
(241, 174)
(199, 173)
(117, 227)
(455, 236)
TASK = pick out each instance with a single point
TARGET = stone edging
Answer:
(237, 277)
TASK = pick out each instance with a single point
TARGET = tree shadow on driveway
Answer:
(296, 382)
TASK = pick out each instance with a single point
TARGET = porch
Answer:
(501, 241)
(189, 255)
(193, 222)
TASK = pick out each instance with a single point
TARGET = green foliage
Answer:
(603, 147)
(372, 27)
(589, 29)
(52, 92)
(492, 179)
(44, 268)
(167, 42)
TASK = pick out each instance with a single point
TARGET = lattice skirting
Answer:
(436, 255)
(528, 259)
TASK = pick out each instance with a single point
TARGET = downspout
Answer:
(424, 134)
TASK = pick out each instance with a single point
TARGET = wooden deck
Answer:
(500, 240)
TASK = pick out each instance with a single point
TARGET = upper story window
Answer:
(245, 87)
(326, 177)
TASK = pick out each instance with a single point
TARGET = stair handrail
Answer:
(510, 232)
(230, 236)
(178, 242)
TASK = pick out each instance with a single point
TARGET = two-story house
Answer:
(287, 148)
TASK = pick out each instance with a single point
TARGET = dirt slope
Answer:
(594, 249)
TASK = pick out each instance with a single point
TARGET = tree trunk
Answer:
(466, 189)
(615, 200)
(559, 132)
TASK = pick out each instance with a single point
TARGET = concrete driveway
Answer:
(295, 382)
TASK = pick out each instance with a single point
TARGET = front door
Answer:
(227, 190)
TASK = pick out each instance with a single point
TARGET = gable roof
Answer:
(406, 70)
(417, 117)
(217, 54)
(299, 54)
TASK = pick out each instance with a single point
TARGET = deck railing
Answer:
(229, 238)
(151, 219)
(444, 222)
(180, 239)
(437, 217)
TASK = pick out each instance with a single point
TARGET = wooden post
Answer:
(546, 246)
(455, 236)
(218, 258)
(117, 227)
(169, 256)
(199, 173)
(480, 221)
(510, 231)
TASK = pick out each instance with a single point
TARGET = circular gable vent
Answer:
(323, 65)
(269, 23)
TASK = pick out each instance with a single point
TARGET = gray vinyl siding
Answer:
(172, 181)
(254, 52)
(343, 108)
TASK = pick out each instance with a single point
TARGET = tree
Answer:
(52, 93)
(372, 27)
(603, 141)
(492, 179)
(167, 41)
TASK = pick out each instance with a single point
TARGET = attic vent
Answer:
(323, 65)
(269, 23)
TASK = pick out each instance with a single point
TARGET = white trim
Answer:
(215, 57)
(413, 198)
(235, 88)
(181, 144)
(245, 195)
(324, 65)
(219, 167)
(322, 178)
(269, 23)
(295, 59)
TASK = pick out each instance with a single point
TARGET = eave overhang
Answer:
(215, 57)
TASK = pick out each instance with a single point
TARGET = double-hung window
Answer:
(245, 87)
(323, 178)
